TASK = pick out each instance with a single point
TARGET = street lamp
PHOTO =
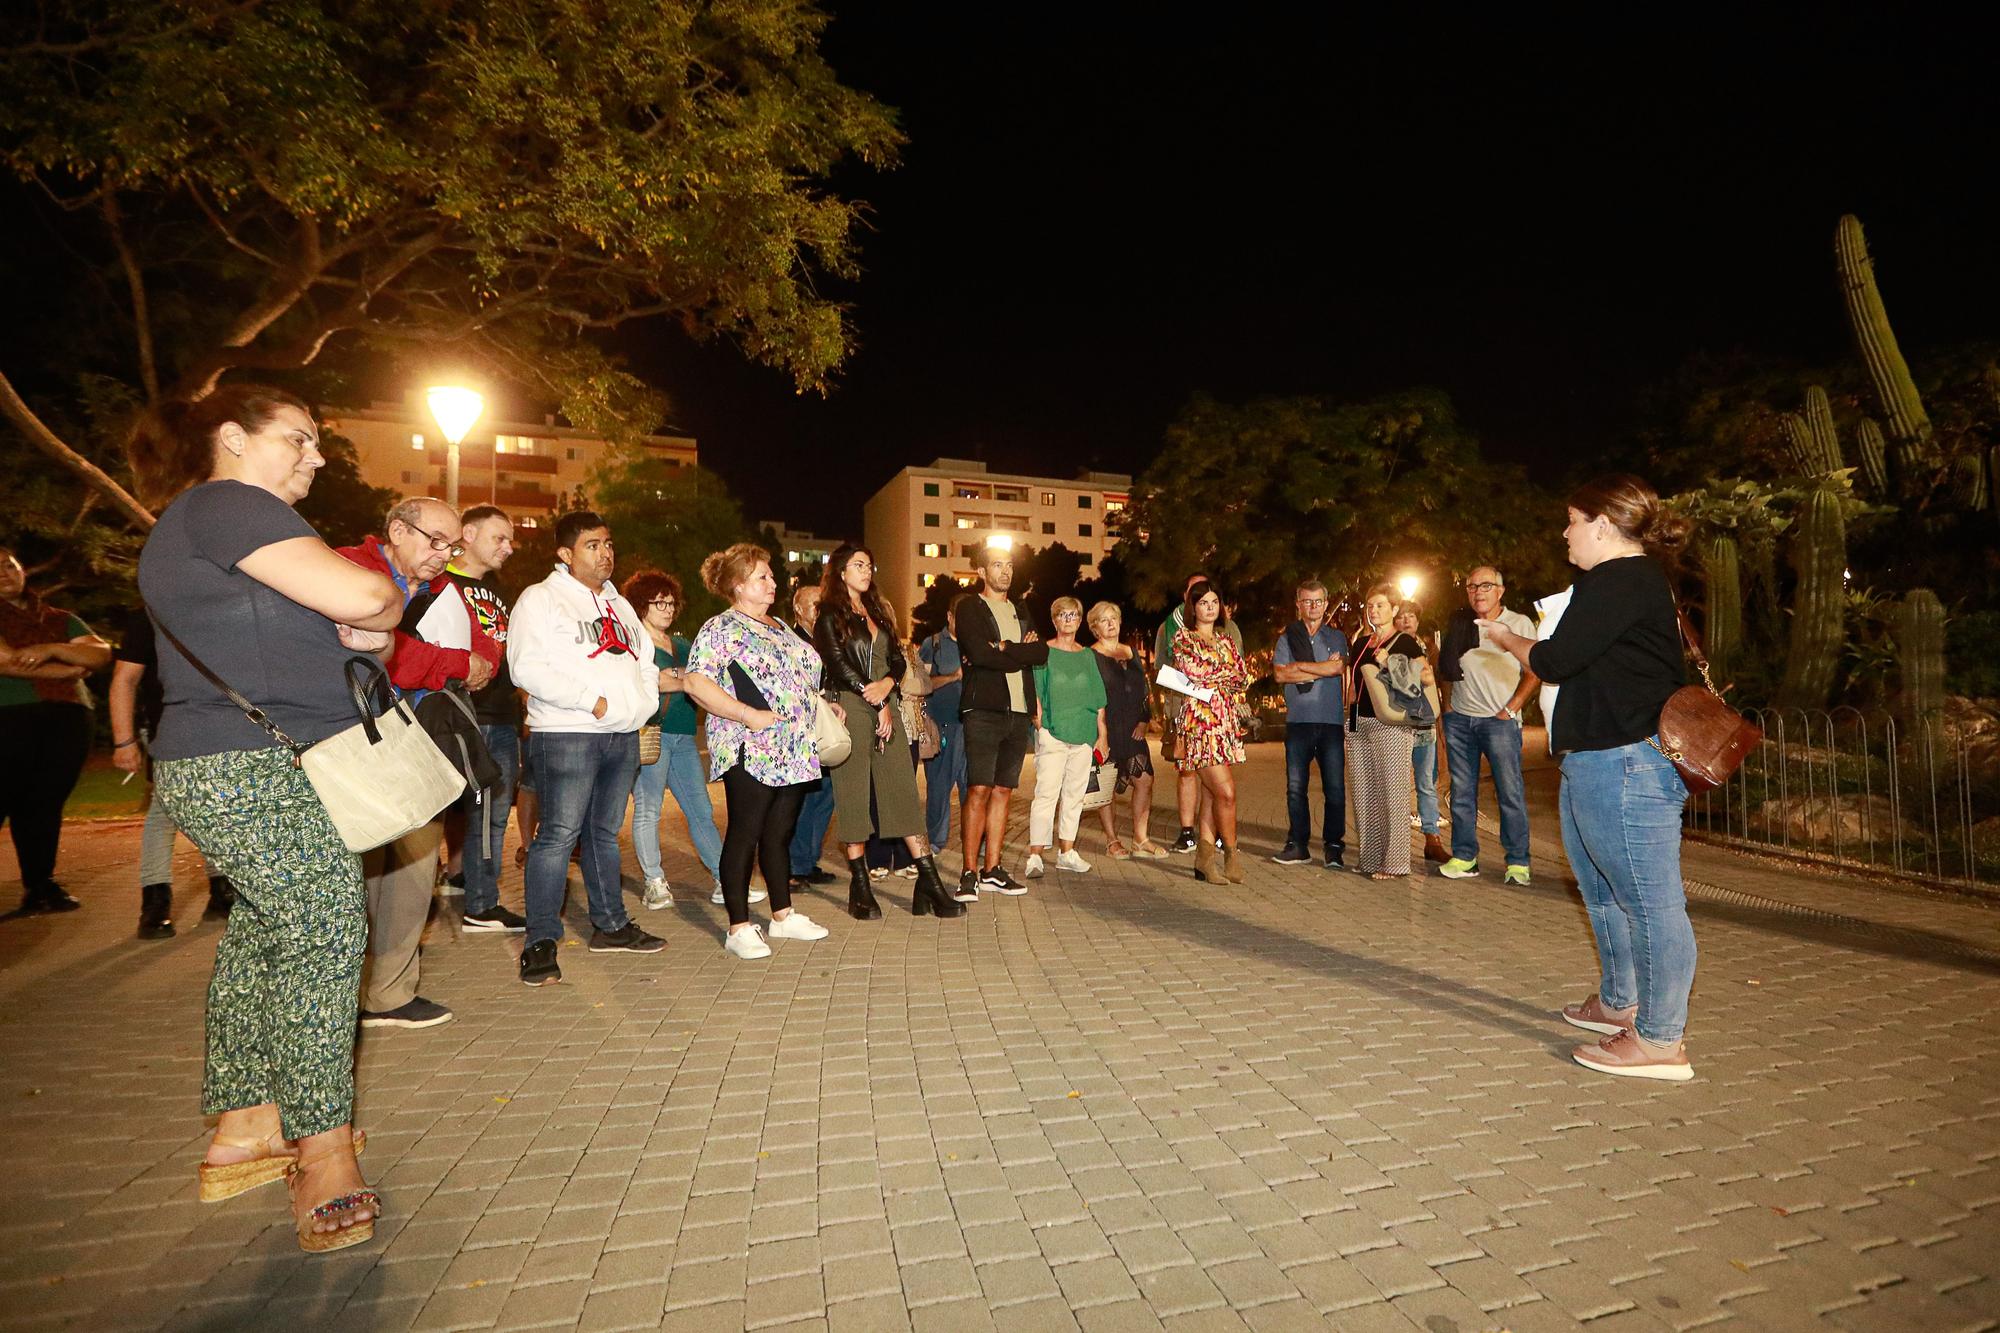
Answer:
(1408, 585)
(455, 409)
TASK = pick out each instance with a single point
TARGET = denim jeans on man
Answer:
(1621, 827)
(481, 857)
(1324, 743)
(941, 774)
(584, 779)
(1424, 767)
(809, 834)
(1500, 741)
(678, 770)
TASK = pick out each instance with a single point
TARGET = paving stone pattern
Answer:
(1125, 1101)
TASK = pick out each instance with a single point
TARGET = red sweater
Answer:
(416, 665)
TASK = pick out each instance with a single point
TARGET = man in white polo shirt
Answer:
(1487, 690)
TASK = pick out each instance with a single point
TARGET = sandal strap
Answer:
(347, 1203)
(238, 1141)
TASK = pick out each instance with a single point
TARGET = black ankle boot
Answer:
(930, 896)
(221, 897)
(861, 904)
(156, 908)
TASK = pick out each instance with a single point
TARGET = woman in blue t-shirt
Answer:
(678, 769)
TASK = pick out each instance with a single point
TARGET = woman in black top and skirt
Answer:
(1616, 654)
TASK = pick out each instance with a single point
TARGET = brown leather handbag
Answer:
(1706, 739)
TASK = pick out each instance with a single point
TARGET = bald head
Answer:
(421, 534)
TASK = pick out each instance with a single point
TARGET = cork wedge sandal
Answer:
(356, 1233)
(226, 1180)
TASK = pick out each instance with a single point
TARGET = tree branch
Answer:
(104, 41)
(142, 319)
(46, 440)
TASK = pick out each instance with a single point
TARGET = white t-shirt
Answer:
(1010, 632)
(1491, 676)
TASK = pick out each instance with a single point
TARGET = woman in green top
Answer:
(1071, 692)
(658, 599)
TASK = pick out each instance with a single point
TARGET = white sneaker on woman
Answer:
(1072, 862)
(657, 894)
(1033, 868)
(796, 926)
(757, 895)
(747, 943)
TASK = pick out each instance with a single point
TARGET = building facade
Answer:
(528, 469)
(926, 524)
(798, 550)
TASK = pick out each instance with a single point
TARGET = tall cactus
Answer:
(1819, 554)
(1815, 445)
(1722, 571)
(1920, 651)
(1874, 457)
(1894, 388)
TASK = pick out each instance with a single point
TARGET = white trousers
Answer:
(1062, 771)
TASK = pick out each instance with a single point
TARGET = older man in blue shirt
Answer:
(1309, 659)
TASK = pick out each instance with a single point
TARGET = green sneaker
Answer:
(1457, 869)
(1516, 875)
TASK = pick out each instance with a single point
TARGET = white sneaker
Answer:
(908, 872)
(797, 926)
(1033, 868)
(757, 895)
(657, 894)
(1072, 862)
(747, 943)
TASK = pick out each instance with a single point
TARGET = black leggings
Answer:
(45, 744)
(761, 820)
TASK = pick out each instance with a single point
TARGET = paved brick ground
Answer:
(1127, 1101)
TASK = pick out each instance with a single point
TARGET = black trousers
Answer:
(44, 745)
(761, 820)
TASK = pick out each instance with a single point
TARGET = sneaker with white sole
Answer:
(1627, 1054)
(1593, 1015)
(1072, 862)
(1516, 875)
(757, 895)
(1032, 868)
(657, 894)
(796, 926)
(499, 921)
(997, 880)
(968, 887)
(747, 943)
(1292, 855)
(1458, 868)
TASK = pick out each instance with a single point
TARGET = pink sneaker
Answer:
(1625, 1054)
(1593, 1016)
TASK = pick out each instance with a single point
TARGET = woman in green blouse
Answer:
(1070, 690)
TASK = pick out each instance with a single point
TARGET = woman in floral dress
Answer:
(1208, 740)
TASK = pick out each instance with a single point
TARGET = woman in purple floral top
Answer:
(756, 680)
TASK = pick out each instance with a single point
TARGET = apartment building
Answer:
(529, 469)
(927, 522)
(798, 550)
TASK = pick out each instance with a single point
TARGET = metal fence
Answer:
(1863, 789)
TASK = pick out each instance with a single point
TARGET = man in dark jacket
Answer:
(997, 706)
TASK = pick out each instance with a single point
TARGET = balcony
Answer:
(482, 460)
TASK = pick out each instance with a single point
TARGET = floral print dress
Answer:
(786, 671)
(1208, 730)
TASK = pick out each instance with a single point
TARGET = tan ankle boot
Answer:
(1204, 862)
(1232, 864)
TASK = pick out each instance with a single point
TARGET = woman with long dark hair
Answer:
(1210, 742)
(1617, 657)
(875, 791)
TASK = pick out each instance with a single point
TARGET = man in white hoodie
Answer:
(574, 646)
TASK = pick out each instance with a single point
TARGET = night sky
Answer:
(1097, 215)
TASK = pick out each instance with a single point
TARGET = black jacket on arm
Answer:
(988, 661)
(844, 645)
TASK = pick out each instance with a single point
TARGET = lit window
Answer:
(503, 444)
(1083, 502)
(1048, 497)
(931, 550)
(1114, 506)
(928, 580)
(930, 520)
(416, 441)
(1083, 529)
(930, 488)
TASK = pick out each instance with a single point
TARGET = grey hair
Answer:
(1499, 574)
(405, 511)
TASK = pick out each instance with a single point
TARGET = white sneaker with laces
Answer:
(658, 894)
(1033, 868)
(1072, 862)
(747, 943)
(797, 926)
(757, 895)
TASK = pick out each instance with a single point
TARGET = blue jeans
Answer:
(584, 780)
(1324, 743)
(940, 776)
(1621, 826)
(809, 834)
(1500, 741)
(678, 770)
(1424, 768)
(482, 870)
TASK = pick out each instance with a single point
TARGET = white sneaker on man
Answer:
(747, 943)
(1033, 867)
(757, 895)
(657, 894)
(1072, 862)
(797, 926)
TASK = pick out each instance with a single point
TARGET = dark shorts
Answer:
(995, 746)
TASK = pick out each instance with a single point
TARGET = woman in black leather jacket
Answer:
(875, 791)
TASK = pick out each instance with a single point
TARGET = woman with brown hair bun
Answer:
(233, 576)
(1617, 657)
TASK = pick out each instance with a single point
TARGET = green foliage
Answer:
(1267, 493)
(671, 518)
(1972, 647)
(1722, 577)
(342, 506)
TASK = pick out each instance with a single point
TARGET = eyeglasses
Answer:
(661, 601)
(1484, 587)
(1069, 615)
(445, 544)
(861, 566)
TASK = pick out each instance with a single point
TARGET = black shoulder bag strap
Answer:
(250, 710)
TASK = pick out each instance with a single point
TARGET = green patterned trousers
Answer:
(281, 1006)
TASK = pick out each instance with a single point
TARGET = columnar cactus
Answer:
(1819, 554)
(1721, 569)
(1815, 445)
(1874, 457)
(1920, 651)
(1872, 334)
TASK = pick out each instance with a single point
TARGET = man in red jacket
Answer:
(420, 538)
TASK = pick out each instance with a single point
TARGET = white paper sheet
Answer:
(1172, 678)
(1548, 614)
(446, 623)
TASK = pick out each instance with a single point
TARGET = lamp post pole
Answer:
(455, 409)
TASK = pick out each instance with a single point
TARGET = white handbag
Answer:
(1103, 785)
(831, 738)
